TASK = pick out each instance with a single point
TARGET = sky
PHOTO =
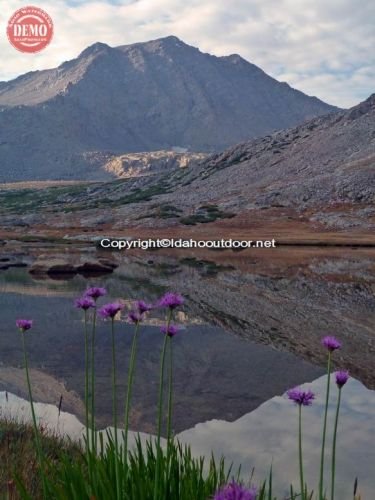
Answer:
(321, 47)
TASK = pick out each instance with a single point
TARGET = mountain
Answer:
(159, 95)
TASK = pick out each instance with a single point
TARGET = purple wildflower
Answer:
(331, 343)
(141, 306)
(95, 292)
(170, 330)
(234, 491)
(84, 303)
(110, 310)
(24, 324)
(341, 378)
(135, 316)
(302, 398)
(171, 300)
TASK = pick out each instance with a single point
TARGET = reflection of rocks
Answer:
(46, 389)
(289, 305)
(7, 261)
(58, 266)
(99, 266)
(51, 266)
(293, 315)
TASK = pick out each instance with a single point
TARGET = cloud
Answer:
(322, 48)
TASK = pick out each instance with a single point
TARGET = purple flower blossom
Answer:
(141, 306)
(234, 491)
(135, 316)
(341, 378)
(110, 310)
(300, 397)
(24, 324)
(95, 292)
(84, 303)
(331, 343)
(171, 300)
(170, 330)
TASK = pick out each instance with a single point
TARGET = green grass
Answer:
(18, 456)
(29, 200)
(181, 476)
(75, 198)
(134, 196)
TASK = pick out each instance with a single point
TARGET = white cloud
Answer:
(322, 48)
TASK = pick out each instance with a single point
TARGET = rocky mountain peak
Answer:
(165, 42)
(236, 59)
(95, 49)
(149, 96)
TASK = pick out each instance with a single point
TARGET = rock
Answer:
(59, 266)
(139, 164)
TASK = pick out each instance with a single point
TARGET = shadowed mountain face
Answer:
(56, 124)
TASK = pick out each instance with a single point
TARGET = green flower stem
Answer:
(114, 406)
(160, 412)
(87, 411)
(321, 477)
(160, 407)
(129, 387)
(170, 391)
(302, 482)
(87, 383)
(93, 335)
(35, 425)
(334, 446)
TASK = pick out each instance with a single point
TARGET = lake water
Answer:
(250, 330)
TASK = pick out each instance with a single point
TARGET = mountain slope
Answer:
(142, 97)
(319, 176)
(327, 160)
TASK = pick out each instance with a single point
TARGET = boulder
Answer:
(59, 266)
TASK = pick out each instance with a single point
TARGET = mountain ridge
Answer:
(99, 48)
(150, 96)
